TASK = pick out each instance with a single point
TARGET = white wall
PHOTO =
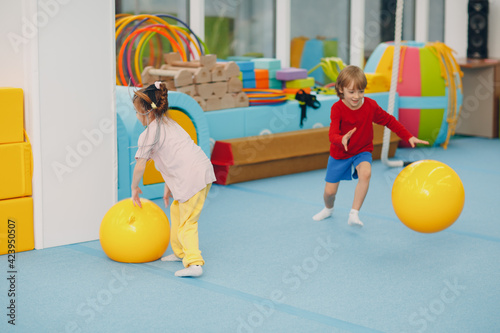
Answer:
(494, 30)
(455, 32)
(63, 57)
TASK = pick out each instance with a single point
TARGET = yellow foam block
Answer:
(16, 225)
(153, 176)
(377, 82)
(300, 83)
(11, 115)
(15, 170)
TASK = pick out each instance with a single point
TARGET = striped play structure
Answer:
(429, 87)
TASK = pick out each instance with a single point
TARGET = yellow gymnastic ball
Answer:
(132, 234)
(428, 196)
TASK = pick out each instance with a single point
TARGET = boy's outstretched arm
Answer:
(139, 168)
(413, 141)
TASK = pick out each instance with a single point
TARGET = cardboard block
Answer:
(174, 59)
(230, 67)
(188, 90)
(180, 77)
(11, 115)
(201, 102)
(219, 89)
(213, 103)
(204, 90)
(234, 85)
(227, 101)
(218, 74)
(241, 100)
(200, 74)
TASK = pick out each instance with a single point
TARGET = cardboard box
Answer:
(263, 156)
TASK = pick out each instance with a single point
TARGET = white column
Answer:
(283, 40)
(197, 17)
(32, 120)
(455, 26)
(422, 21)
(357, 37)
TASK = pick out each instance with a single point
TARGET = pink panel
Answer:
(411, 83)
(410, 118)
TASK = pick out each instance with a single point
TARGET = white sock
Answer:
(354, 219)
(193, 270)
(171, 257)
(323, 214)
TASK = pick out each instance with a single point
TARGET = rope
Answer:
(394, 83)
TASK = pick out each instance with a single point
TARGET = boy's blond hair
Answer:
(350, 75)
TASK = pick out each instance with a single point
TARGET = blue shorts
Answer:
(338, 170)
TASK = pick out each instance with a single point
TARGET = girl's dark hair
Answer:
(350, 74)
(153, 98)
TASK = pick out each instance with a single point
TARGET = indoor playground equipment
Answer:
(141, 35)
(428, 84)
(428, 196)
(150, 49)
(16, 172)
(133, 234)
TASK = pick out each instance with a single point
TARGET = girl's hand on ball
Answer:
(167, 194)
(135, 196)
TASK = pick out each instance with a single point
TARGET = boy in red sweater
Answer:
(351, 138)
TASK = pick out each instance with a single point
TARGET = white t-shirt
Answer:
(183, 164)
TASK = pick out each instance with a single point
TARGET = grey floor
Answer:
(270, 268)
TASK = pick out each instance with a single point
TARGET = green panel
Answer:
(432, 82)
(330, 48)
(219, 35)
(430, 124)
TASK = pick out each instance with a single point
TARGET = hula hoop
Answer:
(175, 46)
(127, 30)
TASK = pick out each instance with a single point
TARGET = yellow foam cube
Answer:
(15, 170)
(11, 115)
(300, 83)
(376, 82)
(16, 225)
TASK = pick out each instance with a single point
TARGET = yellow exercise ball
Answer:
(132, 234)
(428, 196)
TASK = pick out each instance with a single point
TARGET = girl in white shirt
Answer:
(187, 171)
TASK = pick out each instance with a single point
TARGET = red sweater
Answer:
(343, 119)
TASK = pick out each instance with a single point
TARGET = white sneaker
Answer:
(190, 271)
(171, 257)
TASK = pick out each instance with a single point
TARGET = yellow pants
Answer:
(184, 230)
